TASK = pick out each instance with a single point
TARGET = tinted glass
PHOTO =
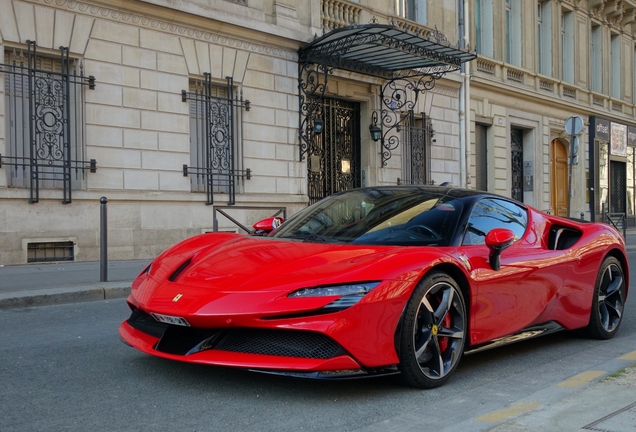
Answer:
(494, 213)
(377, 217)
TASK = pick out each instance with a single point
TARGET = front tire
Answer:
(608, 301)
(433, 334)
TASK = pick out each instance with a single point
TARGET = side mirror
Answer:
(265, 226)
(497, 240)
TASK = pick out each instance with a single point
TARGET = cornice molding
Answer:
(169, 27)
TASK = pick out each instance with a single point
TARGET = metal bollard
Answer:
(103, 240)
(582, 216)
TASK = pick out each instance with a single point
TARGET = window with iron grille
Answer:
(45, 112)
(216, 139)
(417, 133)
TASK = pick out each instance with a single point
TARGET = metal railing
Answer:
(617, 220)
(220, 209)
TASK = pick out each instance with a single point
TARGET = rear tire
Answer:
(433, 332)
(608, 301)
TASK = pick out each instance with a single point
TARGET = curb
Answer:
(55, 296)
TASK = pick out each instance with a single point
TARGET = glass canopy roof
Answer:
(385, 51)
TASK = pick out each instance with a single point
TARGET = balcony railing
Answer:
(546, 85)
(598, 100)
(343, 13)
(337, 13)
(515, 75)
(502, 73)
(569, 91)
(485, 66)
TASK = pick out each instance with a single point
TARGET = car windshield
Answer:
(400, 217)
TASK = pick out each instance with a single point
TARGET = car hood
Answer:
(232, 271)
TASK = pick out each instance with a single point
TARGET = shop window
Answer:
(631, 152)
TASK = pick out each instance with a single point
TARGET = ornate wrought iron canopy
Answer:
(384, 51)
(410, 63)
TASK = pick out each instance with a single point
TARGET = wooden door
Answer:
(558, 178)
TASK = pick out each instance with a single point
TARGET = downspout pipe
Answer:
(462, 101)
(466, 43)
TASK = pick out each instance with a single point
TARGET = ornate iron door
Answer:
(516, 147)
(333, 161)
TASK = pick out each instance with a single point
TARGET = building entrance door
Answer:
(333, 161)
(618, 187)
(516, 147)
(558, 179)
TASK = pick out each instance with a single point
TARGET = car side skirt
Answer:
(525, 334)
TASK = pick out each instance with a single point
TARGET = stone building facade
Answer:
(539, 63)
(132, 128)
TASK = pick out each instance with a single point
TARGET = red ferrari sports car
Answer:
(380, 280)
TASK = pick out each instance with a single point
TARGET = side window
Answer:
(492, 213)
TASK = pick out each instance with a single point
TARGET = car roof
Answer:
(454, 192)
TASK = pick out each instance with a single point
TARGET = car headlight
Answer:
(350, 294)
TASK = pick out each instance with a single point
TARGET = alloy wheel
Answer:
(438, 331)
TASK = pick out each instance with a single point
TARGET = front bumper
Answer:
(262, 349)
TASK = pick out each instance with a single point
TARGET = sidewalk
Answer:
(65, 282)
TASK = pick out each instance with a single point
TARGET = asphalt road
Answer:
(64, 368)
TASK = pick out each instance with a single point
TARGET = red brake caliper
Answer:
(443, 341)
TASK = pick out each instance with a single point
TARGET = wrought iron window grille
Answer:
(216, 136)
(416, 134)
(45, 123)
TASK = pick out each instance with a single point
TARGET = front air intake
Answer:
(284, 343)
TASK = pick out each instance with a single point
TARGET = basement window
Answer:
(50, 251)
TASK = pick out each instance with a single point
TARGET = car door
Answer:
(507, 300)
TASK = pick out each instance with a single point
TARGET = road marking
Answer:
(509, 412)
(580, 379)
(628, 356)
